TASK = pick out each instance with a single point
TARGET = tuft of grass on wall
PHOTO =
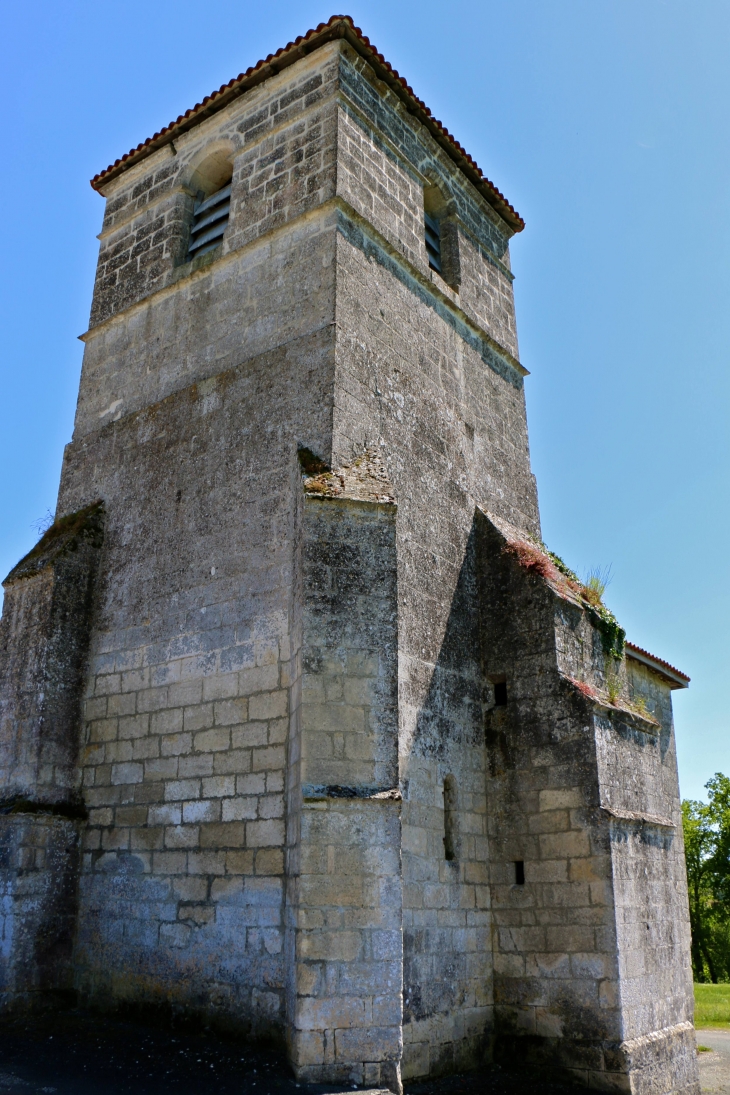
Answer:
(712, 1005)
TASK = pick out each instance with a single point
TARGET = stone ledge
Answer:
(655, 1036)
(318, 793)
(633, 815)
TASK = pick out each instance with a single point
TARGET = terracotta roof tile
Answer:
(339, 26)
(657, 663)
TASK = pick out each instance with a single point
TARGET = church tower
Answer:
(301, 729)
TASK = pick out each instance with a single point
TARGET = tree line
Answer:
(707, 849)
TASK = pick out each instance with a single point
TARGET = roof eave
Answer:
(338, 27)
(674, 677)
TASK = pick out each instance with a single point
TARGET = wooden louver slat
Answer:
(210, 218)
(433, 242)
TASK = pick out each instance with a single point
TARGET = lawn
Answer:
(712, 1005)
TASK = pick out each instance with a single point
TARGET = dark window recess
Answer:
(500, 693)
(519, 872)
(433, 242)
(210, 218)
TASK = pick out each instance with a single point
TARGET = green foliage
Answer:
(707, 850)
(712, 1005)
(596, 583)
(562, 567)
(613, 636)
(613, 687)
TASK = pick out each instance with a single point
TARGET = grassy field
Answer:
(712, 1005)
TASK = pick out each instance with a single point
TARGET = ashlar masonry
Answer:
(301, 730)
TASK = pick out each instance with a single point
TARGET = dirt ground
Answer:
(74, 1053)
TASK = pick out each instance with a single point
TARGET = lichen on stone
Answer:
(364, 480)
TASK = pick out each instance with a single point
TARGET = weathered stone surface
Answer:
(591, 954)
(345, 891)
(353, 775)
(44, 635)
(39, 861)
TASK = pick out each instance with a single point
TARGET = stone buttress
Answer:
(591, 932)
(299, 732)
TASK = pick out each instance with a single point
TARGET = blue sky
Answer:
(605, 122)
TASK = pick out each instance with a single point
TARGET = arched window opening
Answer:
(433, 204)
(441, 235)
(210, 218)
(451, 820)
(212, 182)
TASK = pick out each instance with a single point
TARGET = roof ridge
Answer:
(338, 26)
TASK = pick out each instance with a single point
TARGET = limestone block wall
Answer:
(345, 903)
(347, 1025)
(39, 862)
(44, 635)
(349, 703)
(250, 295)
(186, 713)
(279, 137)
(384, 161)
(294, 144)
(651, 691)
(447, 919)
(449, 416)
(590, 972)
(555, 978)
(651, 887)
(449, 409)
(228, 311)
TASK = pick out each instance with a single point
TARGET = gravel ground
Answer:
(74, 1053)
(715, 1065)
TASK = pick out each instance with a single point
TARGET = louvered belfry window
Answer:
(210, 218)
(433, 242)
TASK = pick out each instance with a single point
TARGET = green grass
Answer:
(712, 1005)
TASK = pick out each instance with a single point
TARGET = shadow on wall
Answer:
(446, 937)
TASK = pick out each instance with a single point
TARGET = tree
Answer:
(707, 849)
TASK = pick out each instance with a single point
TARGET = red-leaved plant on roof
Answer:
(533, 559)
(538, 560)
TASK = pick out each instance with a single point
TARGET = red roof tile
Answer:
(658, 664)
(339, 26)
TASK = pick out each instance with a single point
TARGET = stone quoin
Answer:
(302, 732)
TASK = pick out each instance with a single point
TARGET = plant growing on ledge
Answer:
(534, 556)
(613, 687)
(595, 585)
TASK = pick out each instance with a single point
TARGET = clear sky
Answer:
(605, 122)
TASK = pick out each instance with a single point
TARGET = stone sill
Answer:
(645, 819)
(320, 793)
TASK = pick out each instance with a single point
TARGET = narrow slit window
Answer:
(433, 242)
(451, 834)
(519, 872)
(210, 218)
(500, 693)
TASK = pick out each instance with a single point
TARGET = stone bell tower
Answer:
(302, 731)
